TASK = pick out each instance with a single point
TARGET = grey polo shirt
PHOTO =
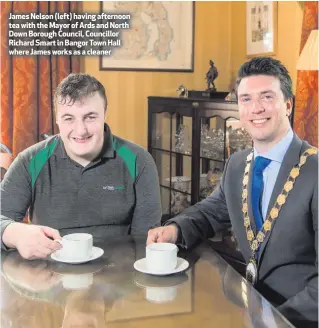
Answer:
(116, 194)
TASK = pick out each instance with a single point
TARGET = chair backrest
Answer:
(6, 159)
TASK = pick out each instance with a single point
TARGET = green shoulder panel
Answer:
(39, 159)
(128, 157)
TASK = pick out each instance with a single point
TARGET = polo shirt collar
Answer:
(62, 149)
(107, 149)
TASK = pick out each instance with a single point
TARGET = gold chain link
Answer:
(255, 242)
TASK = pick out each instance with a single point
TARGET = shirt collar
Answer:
(107, 149)
(278, 151)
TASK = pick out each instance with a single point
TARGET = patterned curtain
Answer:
(28, 83)
(306, 111)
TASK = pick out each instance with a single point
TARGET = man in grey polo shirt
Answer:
(83, 180)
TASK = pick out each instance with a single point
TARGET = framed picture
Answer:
(160, 36)
(261, 28)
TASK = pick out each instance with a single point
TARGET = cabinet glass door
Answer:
(219, 139)
(237, 138)
(171, 150)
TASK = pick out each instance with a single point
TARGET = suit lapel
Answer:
(291, 158)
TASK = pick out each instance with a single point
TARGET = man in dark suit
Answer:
(269, 196)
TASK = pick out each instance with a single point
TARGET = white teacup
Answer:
(76, 246)
(161, 294)
(77, 281)
(161, 257)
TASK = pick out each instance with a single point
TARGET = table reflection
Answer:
(108, 292)
(160, 289)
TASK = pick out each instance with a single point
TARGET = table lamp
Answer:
(309, 60)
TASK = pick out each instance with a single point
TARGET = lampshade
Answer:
(308, 60)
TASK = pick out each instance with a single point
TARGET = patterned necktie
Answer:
(257, 187)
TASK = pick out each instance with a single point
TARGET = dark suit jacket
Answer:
(288, 274)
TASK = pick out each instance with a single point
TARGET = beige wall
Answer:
(289, 35)
(128, 91)
(220, 31)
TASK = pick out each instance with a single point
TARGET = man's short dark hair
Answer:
(267, 66)
(76, 87)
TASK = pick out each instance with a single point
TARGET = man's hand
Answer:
(31, 241)
(33, 275)
(167, 234)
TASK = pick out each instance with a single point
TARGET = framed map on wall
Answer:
(261, 28)
(149, 36)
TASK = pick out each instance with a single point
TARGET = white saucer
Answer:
(140, 266)
(96, 253)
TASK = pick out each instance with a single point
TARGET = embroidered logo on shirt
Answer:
(113, 188)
